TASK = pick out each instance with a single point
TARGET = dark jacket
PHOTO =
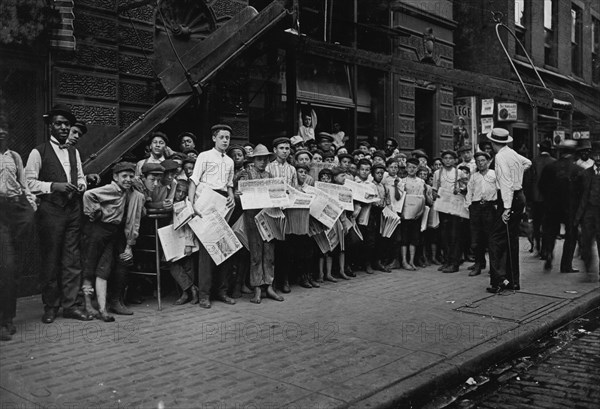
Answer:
(559, 186)
(585, 181)
(532, 177)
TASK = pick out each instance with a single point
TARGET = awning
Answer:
(202, 62)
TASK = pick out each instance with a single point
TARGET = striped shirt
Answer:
(285, 171)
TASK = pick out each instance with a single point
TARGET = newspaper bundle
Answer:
(315, 227)
(449, 203)
(389, 222)
(215, 235)
(343, 194)
(362, 192)
(182, 213)
(207, 198)
(263, 193)
(328, 240)
(271, 224)
(325, 209)
(173, 242)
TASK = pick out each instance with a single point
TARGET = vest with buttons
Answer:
(52, 171)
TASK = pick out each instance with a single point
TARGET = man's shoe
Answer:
(118, 308)
(473, 267)
(226, 299)
(76, 314)
(475, 272)
(442, 267)
(571, 270)
(195, 295)
(183, 299)
(493, 290)
(450, 269)
(285, 288)
(548, 264)
(313, 283)
(204, 302)
(104, 316)
(305, 284)
(49, 316)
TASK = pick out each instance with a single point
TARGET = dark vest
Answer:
(52, 171)
(594, 199)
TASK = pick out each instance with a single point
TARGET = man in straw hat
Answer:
(588, 214)
(262, 253)
(55, 175)
(504, 239)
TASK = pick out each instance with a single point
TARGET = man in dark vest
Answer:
(55, 175)
(588, 214)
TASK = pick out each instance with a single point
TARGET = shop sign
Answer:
(507, 111)
(487, 106)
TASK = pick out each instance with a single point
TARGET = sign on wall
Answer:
(507, 111)
(465, 121)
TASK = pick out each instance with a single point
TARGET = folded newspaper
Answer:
(263, 193)
(215, 235)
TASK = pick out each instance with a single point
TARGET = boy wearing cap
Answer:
(466, 156)
(447, 178)
(325, 141)
(111, 211)
(481, 199)
(55, 175)
(215, 170)
(157, 144)
(262, 253)
(504, 239)
(162, 195)
(187, 141)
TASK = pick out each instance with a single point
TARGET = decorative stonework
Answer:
(446, 129)
(138, 38)
(446, 144)
(134, 65)
(407, 108)
(127, 117)
(143, 13)
(446, 114)
(446, 98)
(226, 8)
(95, 26)
(72, 84)
(142, 93)
(63, 38)
(96, 114)
(90, 56)
(406, 125)
(406, 141)
(98, 4)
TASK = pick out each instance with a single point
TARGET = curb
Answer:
(409, 391)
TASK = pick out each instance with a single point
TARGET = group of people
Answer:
(88, 234)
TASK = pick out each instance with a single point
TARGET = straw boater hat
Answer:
(499, 135)
(261, 150)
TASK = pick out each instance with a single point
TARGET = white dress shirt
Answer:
(509, 168)
(34, 164)
(585, 164)
(482, 187)
(215, 169)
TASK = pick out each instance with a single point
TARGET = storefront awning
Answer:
(202, 63)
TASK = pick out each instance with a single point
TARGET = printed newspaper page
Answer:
(207, 198)
(182, 213)
(326, 209)
(263, 193)
(362, 192)
(342, 193)
(215, 235)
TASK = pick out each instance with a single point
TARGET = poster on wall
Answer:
(507, 111)
(487, 106)
(487, 124)
(465, 122)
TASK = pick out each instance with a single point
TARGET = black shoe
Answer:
(442, 267)
(450, 269)
(285, 288)
(118, 308)
(305, 284)
(49, 316)
(570, 270)
(76, 314)
(548, 264)
(475, 272)
(493, 290)
(204, 303)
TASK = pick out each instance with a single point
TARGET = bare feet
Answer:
(104, 316)
(330, 278)
(407, 266)
(272, 294)
(256, 299)
(369, 269)
(246, 290)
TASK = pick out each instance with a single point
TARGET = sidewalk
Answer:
(373, 341)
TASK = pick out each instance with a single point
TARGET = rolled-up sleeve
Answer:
(32, 173)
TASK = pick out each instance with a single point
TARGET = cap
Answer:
(377, 166)
(449, 152)
(152, 168)
(188, 134)
(169, 164)
(414, 161)
(279, 141)
(380, 154)
(303, 151)
(465, 148)
(338, 170)
(219, 127)
(484, 154)
(419, 153)
(234, 147)
(296, 139)
(345, 155)
(123, 166)
(81, 125)
(158, 134)
(303, 166)
(401, 155)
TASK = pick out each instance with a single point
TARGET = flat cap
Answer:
(169, 164)
(219, 127)
(280, 140)
(449, 152)
(152, 168)
(188, 134)
(123, 166)
(484, 154)
(81, 125)
(413, 161)
(464, 148)
(419, 153)
(324, 136)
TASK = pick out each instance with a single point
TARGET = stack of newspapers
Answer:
(389, 222)
(271, 224)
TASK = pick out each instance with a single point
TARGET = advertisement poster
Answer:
(507, 111)
(465, 121)
(487, 106)
(487, 124)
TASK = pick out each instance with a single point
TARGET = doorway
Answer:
(424, 120)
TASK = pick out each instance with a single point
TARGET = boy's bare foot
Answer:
(272, 294)
(256, 299)
(330, 278)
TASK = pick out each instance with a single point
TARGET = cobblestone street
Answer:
(374, 340)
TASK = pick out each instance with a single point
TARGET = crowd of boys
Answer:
(88, 234)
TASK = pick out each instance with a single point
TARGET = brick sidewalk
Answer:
(369, 341)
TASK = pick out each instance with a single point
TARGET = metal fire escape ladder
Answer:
(566, 100)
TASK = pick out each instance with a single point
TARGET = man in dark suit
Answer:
(55, 175)
(534, 197)
(559, 190)
(588, 213)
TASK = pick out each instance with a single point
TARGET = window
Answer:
(595, 50)
(576, 40)
(520, 29)
(550, 32)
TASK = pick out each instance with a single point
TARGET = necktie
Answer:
(60, 145)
